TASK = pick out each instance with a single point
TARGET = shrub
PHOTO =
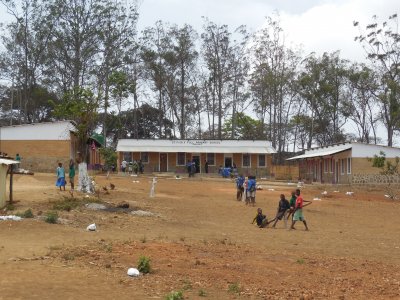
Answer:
(174, 296)
(51, 217)
(144, 264)
(26, 214)
(234, 288)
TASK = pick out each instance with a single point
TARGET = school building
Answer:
(250, 157)
(42, 145)
(347, 163)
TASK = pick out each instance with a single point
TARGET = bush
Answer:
(51, 217)
(174, 296)
(26, 214)
(144, 265)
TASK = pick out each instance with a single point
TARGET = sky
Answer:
(316, 25)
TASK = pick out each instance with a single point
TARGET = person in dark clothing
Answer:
(283, 207)
(260, 218)
(206, 167)
(239, 187)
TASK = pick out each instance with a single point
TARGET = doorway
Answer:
(196, 160)
(163, 162)
(228, 162)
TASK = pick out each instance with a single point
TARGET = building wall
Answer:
(39, 156)
(153, 164)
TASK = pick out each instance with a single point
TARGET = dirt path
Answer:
(200, 241)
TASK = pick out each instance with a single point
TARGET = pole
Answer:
(11, 183)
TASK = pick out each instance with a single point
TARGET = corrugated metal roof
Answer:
(322, 152)
(194, 146)
(4, 161)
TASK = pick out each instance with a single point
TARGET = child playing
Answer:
(292, 204)
(60, 176)
(251, 190)
(71, 174)
(283, 206)
(239, 187)
(298, 210)
(261, 219)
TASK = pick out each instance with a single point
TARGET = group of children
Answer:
(246, 189)
(286, 208)
(60, 171)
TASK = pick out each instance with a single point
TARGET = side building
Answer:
(40, 145)
(347, 163)
(250, 157)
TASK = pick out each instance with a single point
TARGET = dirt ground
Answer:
(200, 241)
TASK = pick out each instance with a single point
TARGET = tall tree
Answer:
(382, 45)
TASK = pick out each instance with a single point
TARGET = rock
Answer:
(91, 227)
(142, 213)
(133, 272)
(123, 204)
(95, 206)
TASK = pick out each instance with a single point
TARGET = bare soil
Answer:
(200, 241)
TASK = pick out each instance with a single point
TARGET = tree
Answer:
(391, 171)
(322, 85)
(382, 45)
(362, 88)
(80, 106)
(246, 128)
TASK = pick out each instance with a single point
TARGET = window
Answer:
(211, 159)
(180, 159)
(342, 166)
(349, 165)
(246, 161)
(144, 156)
(261, 160)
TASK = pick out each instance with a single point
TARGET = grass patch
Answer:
(144, 264)
(26, 214)
(10, 206)
(202, 293)
(187, 285)
(234, 288)
(300, 261)
(175, 296)
(69, 203)
(51, 217)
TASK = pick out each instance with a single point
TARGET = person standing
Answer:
(71, 174)
(123, 166)
(239, 187)
(60, 176)
(298, 211)
(206, 167)
(283, 206)
(251, 190)
(18, 159)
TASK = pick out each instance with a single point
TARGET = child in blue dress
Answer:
(60, 176)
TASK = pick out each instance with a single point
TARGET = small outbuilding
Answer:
(249, 157)
(347, 163)
(5, 166)
(40, 145)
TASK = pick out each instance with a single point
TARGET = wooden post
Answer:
(11, 183)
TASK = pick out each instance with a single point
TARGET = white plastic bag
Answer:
(133, 272)
(91, 227)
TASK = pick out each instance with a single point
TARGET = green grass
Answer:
(234, 288)
(300, 261)
(202, 293)
(68, 203)
(144, 264)
(51, 217)
(174, 296)
(26, 214)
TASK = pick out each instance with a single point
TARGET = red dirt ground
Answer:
(200, 242)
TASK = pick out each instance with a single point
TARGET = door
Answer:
(337, 171)
(228, 161)
(196, 160)
(163, 162)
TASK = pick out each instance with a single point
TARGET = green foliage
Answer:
(51, 217)
(245, 127)
(175, 296)
(26, 214)
(109, 156)
(10, 206)
(379, 161)
(66, 204)
(389, 169)
(202, 293)
(144, 264)
(300, 261)
(234, 288)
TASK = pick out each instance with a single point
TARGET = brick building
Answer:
(343, 163)
(250, 157)
(40, 145)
